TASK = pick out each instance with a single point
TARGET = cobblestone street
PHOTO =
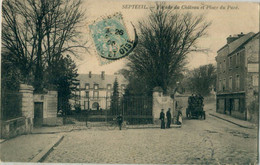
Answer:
(209, 141)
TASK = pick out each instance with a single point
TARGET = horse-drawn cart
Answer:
(195, 107)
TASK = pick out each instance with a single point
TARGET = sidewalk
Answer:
(230, 119)
(28, 148)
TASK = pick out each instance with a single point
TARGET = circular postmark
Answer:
(111, 38)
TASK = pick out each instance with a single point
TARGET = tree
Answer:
(202, 79)
(65, 81)
(165, 40)
(37, 33)
(115, 99)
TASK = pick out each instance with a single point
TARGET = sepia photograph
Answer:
(129, 82)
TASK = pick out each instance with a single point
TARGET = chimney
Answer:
(241, 34)
(89, 74)
(103, 75)
(231, 39)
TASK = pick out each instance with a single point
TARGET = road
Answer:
(209, 141)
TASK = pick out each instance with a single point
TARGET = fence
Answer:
(134, 109)
(11, 105)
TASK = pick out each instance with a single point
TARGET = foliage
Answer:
(115, 98)
(202, 79)
(165, 40)
(65, 81)
(77, 108)
(10, 74)
(37, 33)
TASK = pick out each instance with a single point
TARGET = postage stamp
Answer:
(110, 37)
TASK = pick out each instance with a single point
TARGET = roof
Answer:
(97, 79)
(233, 46)
(242, 45)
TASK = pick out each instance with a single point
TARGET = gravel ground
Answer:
(209, 141)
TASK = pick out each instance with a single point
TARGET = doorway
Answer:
(38, 114)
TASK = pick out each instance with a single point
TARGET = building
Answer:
(95, 90)
(238, 76)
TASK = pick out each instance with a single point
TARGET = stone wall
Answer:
(21, 125)
(14, 127)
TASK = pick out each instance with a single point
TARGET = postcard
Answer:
(129, 82)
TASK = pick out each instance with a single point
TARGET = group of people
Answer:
(169, 118)
(195, 100)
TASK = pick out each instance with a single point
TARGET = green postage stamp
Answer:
(111, 39)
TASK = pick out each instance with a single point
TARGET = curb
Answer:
(250, 127)
(46, 151)
(157, 127)
(2, 141)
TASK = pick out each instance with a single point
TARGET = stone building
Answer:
(95, 90)
(238, 76)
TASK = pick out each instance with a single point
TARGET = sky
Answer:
(228, 18)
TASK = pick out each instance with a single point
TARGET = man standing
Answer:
(169, 118)
(162, 117)
(120, 121)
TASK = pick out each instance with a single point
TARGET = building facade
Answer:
(95, 90)
(238, 76)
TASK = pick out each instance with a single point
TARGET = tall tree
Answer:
(65, 81)
(37, 33)
(202, 79)
(115, 99)
(165, 40)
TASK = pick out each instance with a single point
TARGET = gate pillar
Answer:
(27, 105)
(161, 101)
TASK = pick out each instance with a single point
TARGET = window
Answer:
(87, 94)
(95, 86)
(224, 84)
(108, 94)
(86, 105)
(224, 66)
(95, 94)
(108, 86)
(87, 86)
(238, 82)
(230, 62)
(220, 85)
(230, 83)
(238, 59)
(220, 67)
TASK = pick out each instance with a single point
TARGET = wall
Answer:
(161, 102)
(21, 125)
(14, 127)
(252, 79)
(50, 105)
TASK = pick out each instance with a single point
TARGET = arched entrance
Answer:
(95, 106)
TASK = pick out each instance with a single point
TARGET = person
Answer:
(179, 116)
(120, 121)
(169, 118)
(162, 117)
